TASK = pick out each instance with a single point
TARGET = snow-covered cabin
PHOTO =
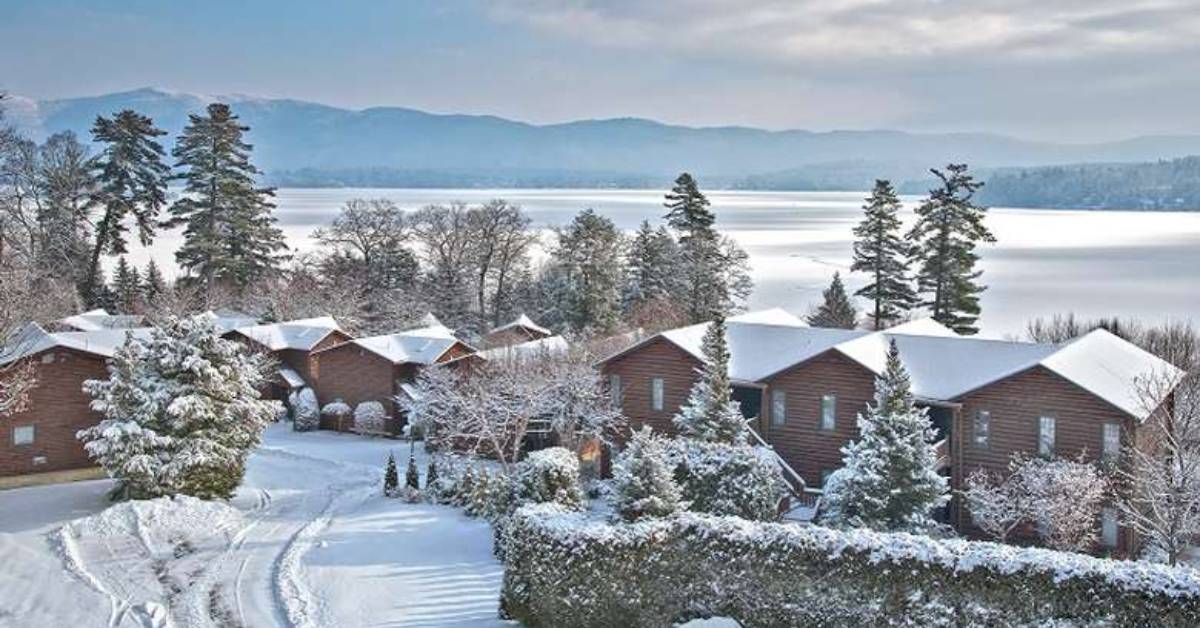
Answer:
(378, 368)
(518, 331)
(803, 388)
(41, 438)
(292, 344)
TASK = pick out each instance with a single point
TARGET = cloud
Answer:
(802, 32)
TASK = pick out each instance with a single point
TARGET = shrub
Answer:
(642, 482)
(412, 477)
(549, 475)
(391, 479)
(563, 569)
(339, 413)
(723, 479)
(305, 412)
(370, 418)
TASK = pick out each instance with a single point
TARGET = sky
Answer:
(1063, 70)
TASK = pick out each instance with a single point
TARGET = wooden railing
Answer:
(942, 447)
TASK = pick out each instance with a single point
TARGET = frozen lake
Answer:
(1136, 264)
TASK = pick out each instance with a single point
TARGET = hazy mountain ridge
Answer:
(304, 143)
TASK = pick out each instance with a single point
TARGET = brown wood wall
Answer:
(58, 409)
(657, 358)
(801, 441)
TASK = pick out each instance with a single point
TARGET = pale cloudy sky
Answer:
(1064, 70)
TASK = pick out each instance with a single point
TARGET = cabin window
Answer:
(23, 435)
(829, 412)
(778, 408)
(1046, 429)
(983, 427)
(614, 388)
(1108, 527)
(656, 393)
(1112, 442)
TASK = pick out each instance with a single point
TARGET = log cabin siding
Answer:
(637, 369)
(354, 375)
(800, 441)
(58, 408)
(1015, 404)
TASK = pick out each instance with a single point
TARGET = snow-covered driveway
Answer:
(308, 542)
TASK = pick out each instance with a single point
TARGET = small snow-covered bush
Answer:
(305, 411)
(642, 484)
(562, 568)
(339, 413)
(722, 479)
(549, 475)
(391, 478)
(370, 418)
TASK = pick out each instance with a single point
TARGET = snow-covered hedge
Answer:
(562, 568)
(338, 412)
(549, 475)
(370, 418)
(722, 479)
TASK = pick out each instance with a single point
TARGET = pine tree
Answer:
(949, 227)
(714, 269)
(590, 254)
(836, 310)
(654, 270)
(643, 484)
(890, 479)
(431, 476)
(230, 236)
(391, 477)
(131, 181)
(154, 286)
(182, 412)
(710, 414)
(881, 252)
(412, 477)
(127, 286)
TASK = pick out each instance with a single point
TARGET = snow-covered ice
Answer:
(308, 541)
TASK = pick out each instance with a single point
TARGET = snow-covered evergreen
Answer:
(590, 255)
(306, 415)
(715, 269)
(835, 310)
(391, 477)
(549, 475)
(181, 412)
(370, 417)
(890, 479)
(643, 484)
(881, 252)
(710, 414)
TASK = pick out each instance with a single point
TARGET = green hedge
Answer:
(562, 569)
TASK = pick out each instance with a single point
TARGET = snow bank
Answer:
(160, 519)
(562, 566)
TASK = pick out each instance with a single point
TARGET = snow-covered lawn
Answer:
(308, 541)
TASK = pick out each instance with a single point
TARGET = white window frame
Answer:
(657, 394)
(1109, 527)
(614, 388)
(23, 435)
(982, 429)
(1047, 435)
(778, 408)
(829, 412)
(1111, 448)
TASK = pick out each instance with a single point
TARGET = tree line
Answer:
(1172, 184)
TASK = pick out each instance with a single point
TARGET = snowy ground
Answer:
(307, 542)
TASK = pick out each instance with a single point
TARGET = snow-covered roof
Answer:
(770, 316)
(1112, 369)
(228, 320)
(525, 322)
(97, 319)
(530, 349)
(291, 378)
(759, 350)
(429, 320)
(416, 346)
(32, 339)
(302, 334)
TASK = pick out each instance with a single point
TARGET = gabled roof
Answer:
(98, 319)
(228, 320)
(530, 349)
(525, 322)
(1106, 366)
(32, 339)
(302, 334)
(416, 346)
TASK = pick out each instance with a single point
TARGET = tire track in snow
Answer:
(64, 539)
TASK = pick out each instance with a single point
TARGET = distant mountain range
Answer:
(307, 144)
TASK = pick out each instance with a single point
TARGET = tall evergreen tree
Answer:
(890, 479)
(590, 256)
(711, 414)
(230, 236)
(836, 310)
(127, 286)
(131, 181)
(949, 227)
(154, 286)
(654, 269)
(714, 268)
(881, 252)
(63, 221)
